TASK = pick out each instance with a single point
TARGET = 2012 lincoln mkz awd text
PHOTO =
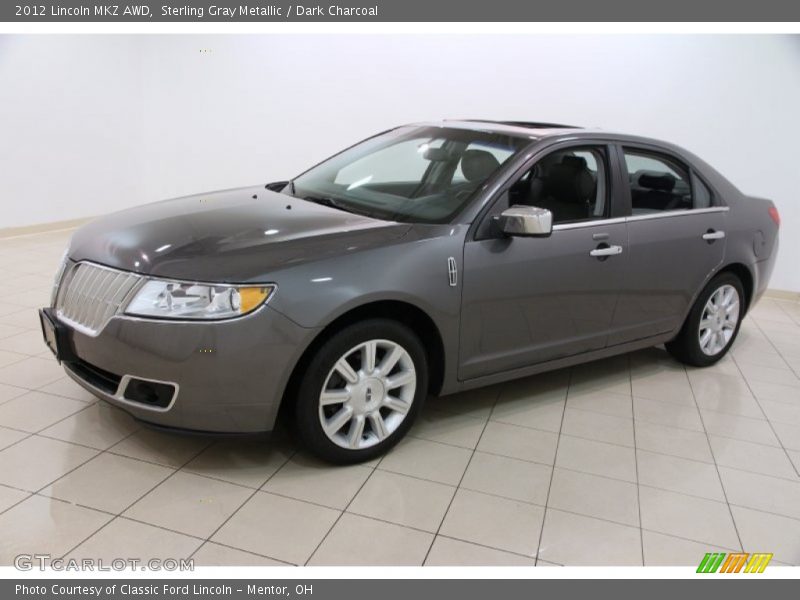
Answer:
(428, 259)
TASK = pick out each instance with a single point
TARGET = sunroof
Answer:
(526, 124)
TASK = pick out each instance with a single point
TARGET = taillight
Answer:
(776, 216)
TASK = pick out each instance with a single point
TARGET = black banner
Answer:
(732, 588)
(399, 10)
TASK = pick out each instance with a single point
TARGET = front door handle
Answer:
(604, 250)
(710, 236)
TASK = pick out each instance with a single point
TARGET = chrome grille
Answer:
(90, 295)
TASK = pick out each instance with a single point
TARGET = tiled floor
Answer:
(628, 461)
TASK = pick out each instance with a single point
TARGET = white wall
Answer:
(89, 124)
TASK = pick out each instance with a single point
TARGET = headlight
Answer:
(183, 300)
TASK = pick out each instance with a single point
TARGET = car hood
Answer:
(239, 235)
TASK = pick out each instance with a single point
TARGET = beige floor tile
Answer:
(100, 426)
(427, 460)
(35, 462)
(123, 538)
(10, 436)
(244, 462)
(495, 522)
(662, 550)
(41, 525)
(679, 475)
(508, 477)
(9, 497)
(448, 428)
(608, 375)
(403, 500)
(602, 428)
(356, 540)
(31, 373)
(27, 343)
(609, 499)
(667, 414)
(108, 482)
(676, 442)
(281, 528)
(697, 519)
(216, 555)
(780, 412)
(447, 552)
(314, 481)
(9, 392)
(475, 403)
(747, 357)
(607, 403)
(34, 411)
(714, 386)
(575, 540)
(9, 330)
(26, 318)
(789, 435)
(733, 405)
(794, 456)
(534, 401)
(776, 392)
(523, 443)
(739, 428)
(69, 389)
(539, 413)
(670, 385)
(7, 309)
(169, 449)
(190, 504)
(762, 532)
(9, 358)
(597, 458)
(761, 492)
(783, 374)
(767, 460)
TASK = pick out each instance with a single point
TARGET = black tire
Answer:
(686, 346)
(307, 407)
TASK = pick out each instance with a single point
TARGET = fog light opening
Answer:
(150, 393)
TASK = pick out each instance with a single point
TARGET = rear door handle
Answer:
(712, 235)
(605, 250)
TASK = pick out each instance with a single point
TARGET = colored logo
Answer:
(735, 562)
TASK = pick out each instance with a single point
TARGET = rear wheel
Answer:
(712, 324)
(361, 391)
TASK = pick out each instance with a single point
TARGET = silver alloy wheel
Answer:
(367, 394)
(719, 319)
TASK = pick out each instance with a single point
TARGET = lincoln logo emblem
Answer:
(369, 394)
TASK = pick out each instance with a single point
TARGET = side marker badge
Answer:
(452, 271)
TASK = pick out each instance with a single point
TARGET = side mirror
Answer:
(526, 221)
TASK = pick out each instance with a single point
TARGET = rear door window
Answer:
(658, 183)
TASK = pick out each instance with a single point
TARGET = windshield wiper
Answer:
(328, 201)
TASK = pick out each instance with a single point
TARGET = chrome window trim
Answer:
(633, 218)
(119, 394)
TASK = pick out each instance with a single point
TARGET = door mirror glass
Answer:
(526, 221)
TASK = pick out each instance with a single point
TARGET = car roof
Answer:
(535, 130)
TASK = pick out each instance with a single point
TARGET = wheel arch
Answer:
(401, 311)
(746, 277)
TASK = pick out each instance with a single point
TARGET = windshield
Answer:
(414, 174)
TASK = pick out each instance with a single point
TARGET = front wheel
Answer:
(361, 391)
(712, 324)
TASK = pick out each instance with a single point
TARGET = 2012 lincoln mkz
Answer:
(429, 259)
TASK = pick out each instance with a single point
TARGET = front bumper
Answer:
(229, 376)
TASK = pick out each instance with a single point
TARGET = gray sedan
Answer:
(428, 259)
